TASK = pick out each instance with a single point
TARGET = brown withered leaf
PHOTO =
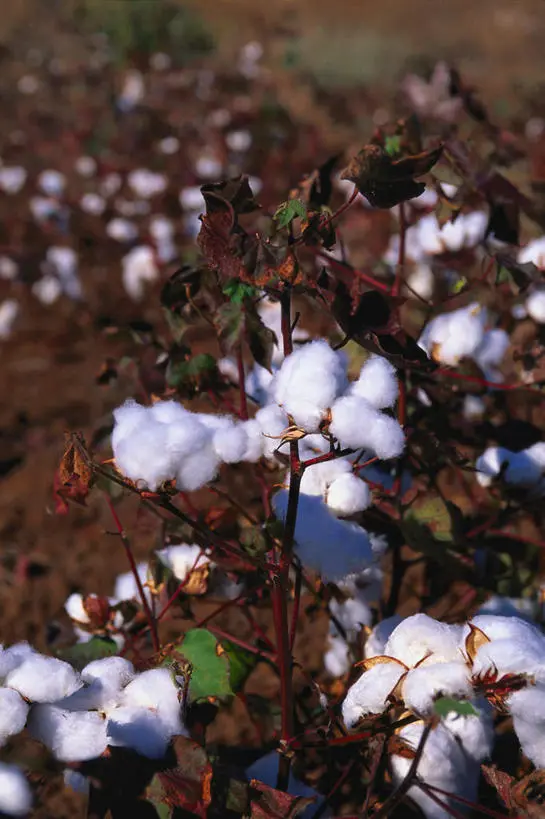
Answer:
(528, 796)
(75, 464)
(235, 192)
(315, 189)
(385, 181)
(501, 781)
(522, 274)
(268, 803)
(474, 640)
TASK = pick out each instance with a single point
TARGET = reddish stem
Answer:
(342, 266)
(296, 603)
(180, 588)
(456, 798)
(219, 632)
(349, 202)
(396, 287)
(474, 379)
(143, 599)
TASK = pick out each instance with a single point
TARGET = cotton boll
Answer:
(75, 610)
(535, 303)
(12, 657)
(208, 166)
(64, 262)
(422, 686)
(12, 178)
(43, 679)
(347, 495)
(490, 352)
(15, 793)
(466, 231)
(156, 690)
(125, 584)
(47, 289)
(8, 269)
(473, 408)
(337, 656)
(182, 559)
(257, 384)
(13, 713)
(113, 672)
(352, 614)
(238, 141)
(331, 547)
(191, 198)
(271, 421)
(52, 182)
(254, 448)
(121, 230)
(452, 336)
(527, 708)
(169, 145)
(145, 183)
(131, 416)
(198, 469)
(518, 468)
(93, 204)
(534, 252)
(489, 464)
(420, 281)
(110, 184)
(86, 166)
(369, 694)
(72, 736)
(231, 444)
(377, 383)
(419, 635)
(503, 657)
(308, 382)
(132, 92)
(139, 729)
(506, 628)
(139, 268)
(376, 641)
(145, 458)
(9, 310)
(167, 412)
(318, 478)
(509, 607)
(358, 425)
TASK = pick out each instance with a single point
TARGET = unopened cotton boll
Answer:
(348, 495)
(12, 178)
(121, 230)
(422, 686)
(72, 736)
(139, 268)
(52, 182)
(369, 694)
(15, 793)
(93, 204)
(377, 383)
(183, 559)
(308, 382)
(535, 304)
(13, 713)
(418, 636)
(43, 679)
(9, 310)
(334, 548)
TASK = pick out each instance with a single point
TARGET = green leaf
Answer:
(241, 664)
(209, 677)
(433, 513)
(288, 211)
(447, 705)
(237, 291)
(180, 372)
(392, 145)
(80, 654)
(229, 321)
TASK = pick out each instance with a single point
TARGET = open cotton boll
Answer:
(422, 686)
(420, 635)
(208, 166)
(113, 672)
(516, 468)
(358, 425)
(420, 281)
(317, 479)
(498, 627)
(352, 614)
(308, 382)
(125, 584)
(334, 548)
(15, 793)
(369, 694)
(376, 641)
(93, 204)
(64, 261)
(144, 457)
(12, 657)
(52, 182)
(131, 416)
(13, 713)
(377, 383)
(347, 495)
(47, 289)
(72, 736)
(231, 443)
(86, 166)
(12, 178)
(490, 353)
(254, 448)
(197, 469)
(169, 145)
(265, 769)
(132, 92)
(452, 336)
(534, 252)
(139, 268)
(8, 269)
(157, 691)
(467, 231)
(43, 679)
(505, 657)
(535, 303)
(474, 407)
(139, 729)
(191, 198)
(74, 608)
(337, 656)
(121, 230)
(272, 421)
(145, 183)
(9, 310)
(527, 707)
(182, 559)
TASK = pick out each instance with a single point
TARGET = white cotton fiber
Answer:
(254, 448)
(334, 548)
(182, 559)
(9, 310)
(352, 614)
(121, 230)
(308, 382)
(125, 584)
(418, 636)
(12, 657)
(43, 679)
(358, 425)
(490, 353)
(139, 729)
(157, 690)
(145, 456)
(376, 641)
(450, 337)
(337, 656)
(519, 468)
(534, 252)
(348, 495)
(369, 694)
(15, 794)
(422, 686)
(139, 268)
(377, 383)
(527, 708)
(535, 304)
(272, 421)
(111, 672)
(230, 443)
(75, 610)
(318, 478)
(197, 469)
(13, 713)
(72, 736)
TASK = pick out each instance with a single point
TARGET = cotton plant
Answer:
(139, 269)
(15, 793)
(12, 179)
(9, 311)
(145, 183)
(524, 469)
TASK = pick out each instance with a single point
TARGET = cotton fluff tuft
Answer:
(308, 382)
(376, 641)
(337, 656)
(230, 443)
(418, 636)
(535, 304)
(524, 469)
(12, 657)
(139, 269)
(347, 495)
(15, 794)
(9, 310)
(450, 337)
(377, 383)
(369, 694)
(43, 679)
(72, 736)
(13, 713)
(334, 548)
(358, 425)
(422, 686)
(182, 559)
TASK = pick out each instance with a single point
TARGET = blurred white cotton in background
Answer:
(15, 793)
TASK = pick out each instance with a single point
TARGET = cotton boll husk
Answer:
(347, 495)
(505, 657)
(423, 685)
(376, 641)
(308, 382)
(535, 304)
(369, 694)
(197, 469)
(331, 547)
(13, 713)
(419, 635)
(182, 558)
(43, 679)
(337, 656)
(15, 793)
(377, 383)
(231, 443)
(72, 736)
(265, 769)
(139, 729)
